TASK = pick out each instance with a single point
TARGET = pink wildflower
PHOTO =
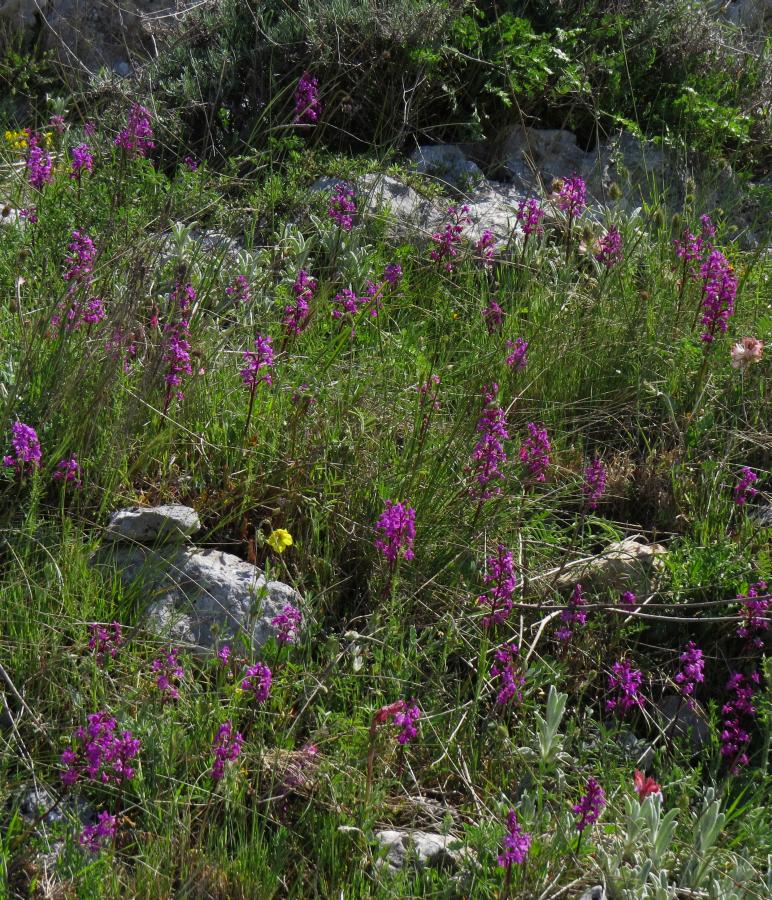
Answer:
(258, 682)
(516, 843)
(746, 352)
(500, 576)
(535, 452)
(396, 527)
(226, 748)
(518, 358)
(446, 242)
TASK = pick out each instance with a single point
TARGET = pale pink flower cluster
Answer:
(746, 351)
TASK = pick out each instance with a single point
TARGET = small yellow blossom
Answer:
(280, 539)
(17, 140)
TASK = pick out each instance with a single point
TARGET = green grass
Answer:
(615, 368)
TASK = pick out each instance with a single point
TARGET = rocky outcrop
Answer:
(423, 849)
(629, 565)
(411, 211)
(149, 525)
(447, 163)
(534, 157)
(199, 597)
(90, 34)
(755, 15)
(621, 173)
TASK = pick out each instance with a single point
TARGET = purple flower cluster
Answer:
(82, 160)
(402, 715)
(94, 837)
(692, 670)
(489, 454)
(26, 449)
(590, 805)
(177, 357)
(238, 291)
(405, 720)
(73, 311)
(183, 295)
(625, 682)
(226, 748)
(516, 843)
(572, 195)
(80, 261)
(170, 673)
(755, 609)
(485, 248)
(690, 248)
(719, 289)
(594, 483)
(734, 736)
(342, 208)
(529, 214)
(573, 614)
(105, 641)
(191, 163)
(446, 242)
(288, 622)
(258, 682)
(100, 752)
(392, 273)
(308, 107)
(348, 303)
(518, 358)
(258, 360)
(136, 139)
(505, 668)
(500, 576)
(68, 470)
(609, 248)
(744, 489)
(535, 452)
(396, 531)
(629, 598)
(296, 313)
(494, 316)
(39, 164)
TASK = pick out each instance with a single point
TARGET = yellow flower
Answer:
(16, 139)
(279, 539)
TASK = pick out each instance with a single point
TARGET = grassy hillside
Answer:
(444, 426)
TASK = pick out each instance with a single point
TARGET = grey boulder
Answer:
(202, 598)
(153, 524)
(446, 162)
(629, 565)
(682, 720)
(598, 892)
(422, 848)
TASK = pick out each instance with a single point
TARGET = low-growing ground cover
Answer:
(422, 436)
